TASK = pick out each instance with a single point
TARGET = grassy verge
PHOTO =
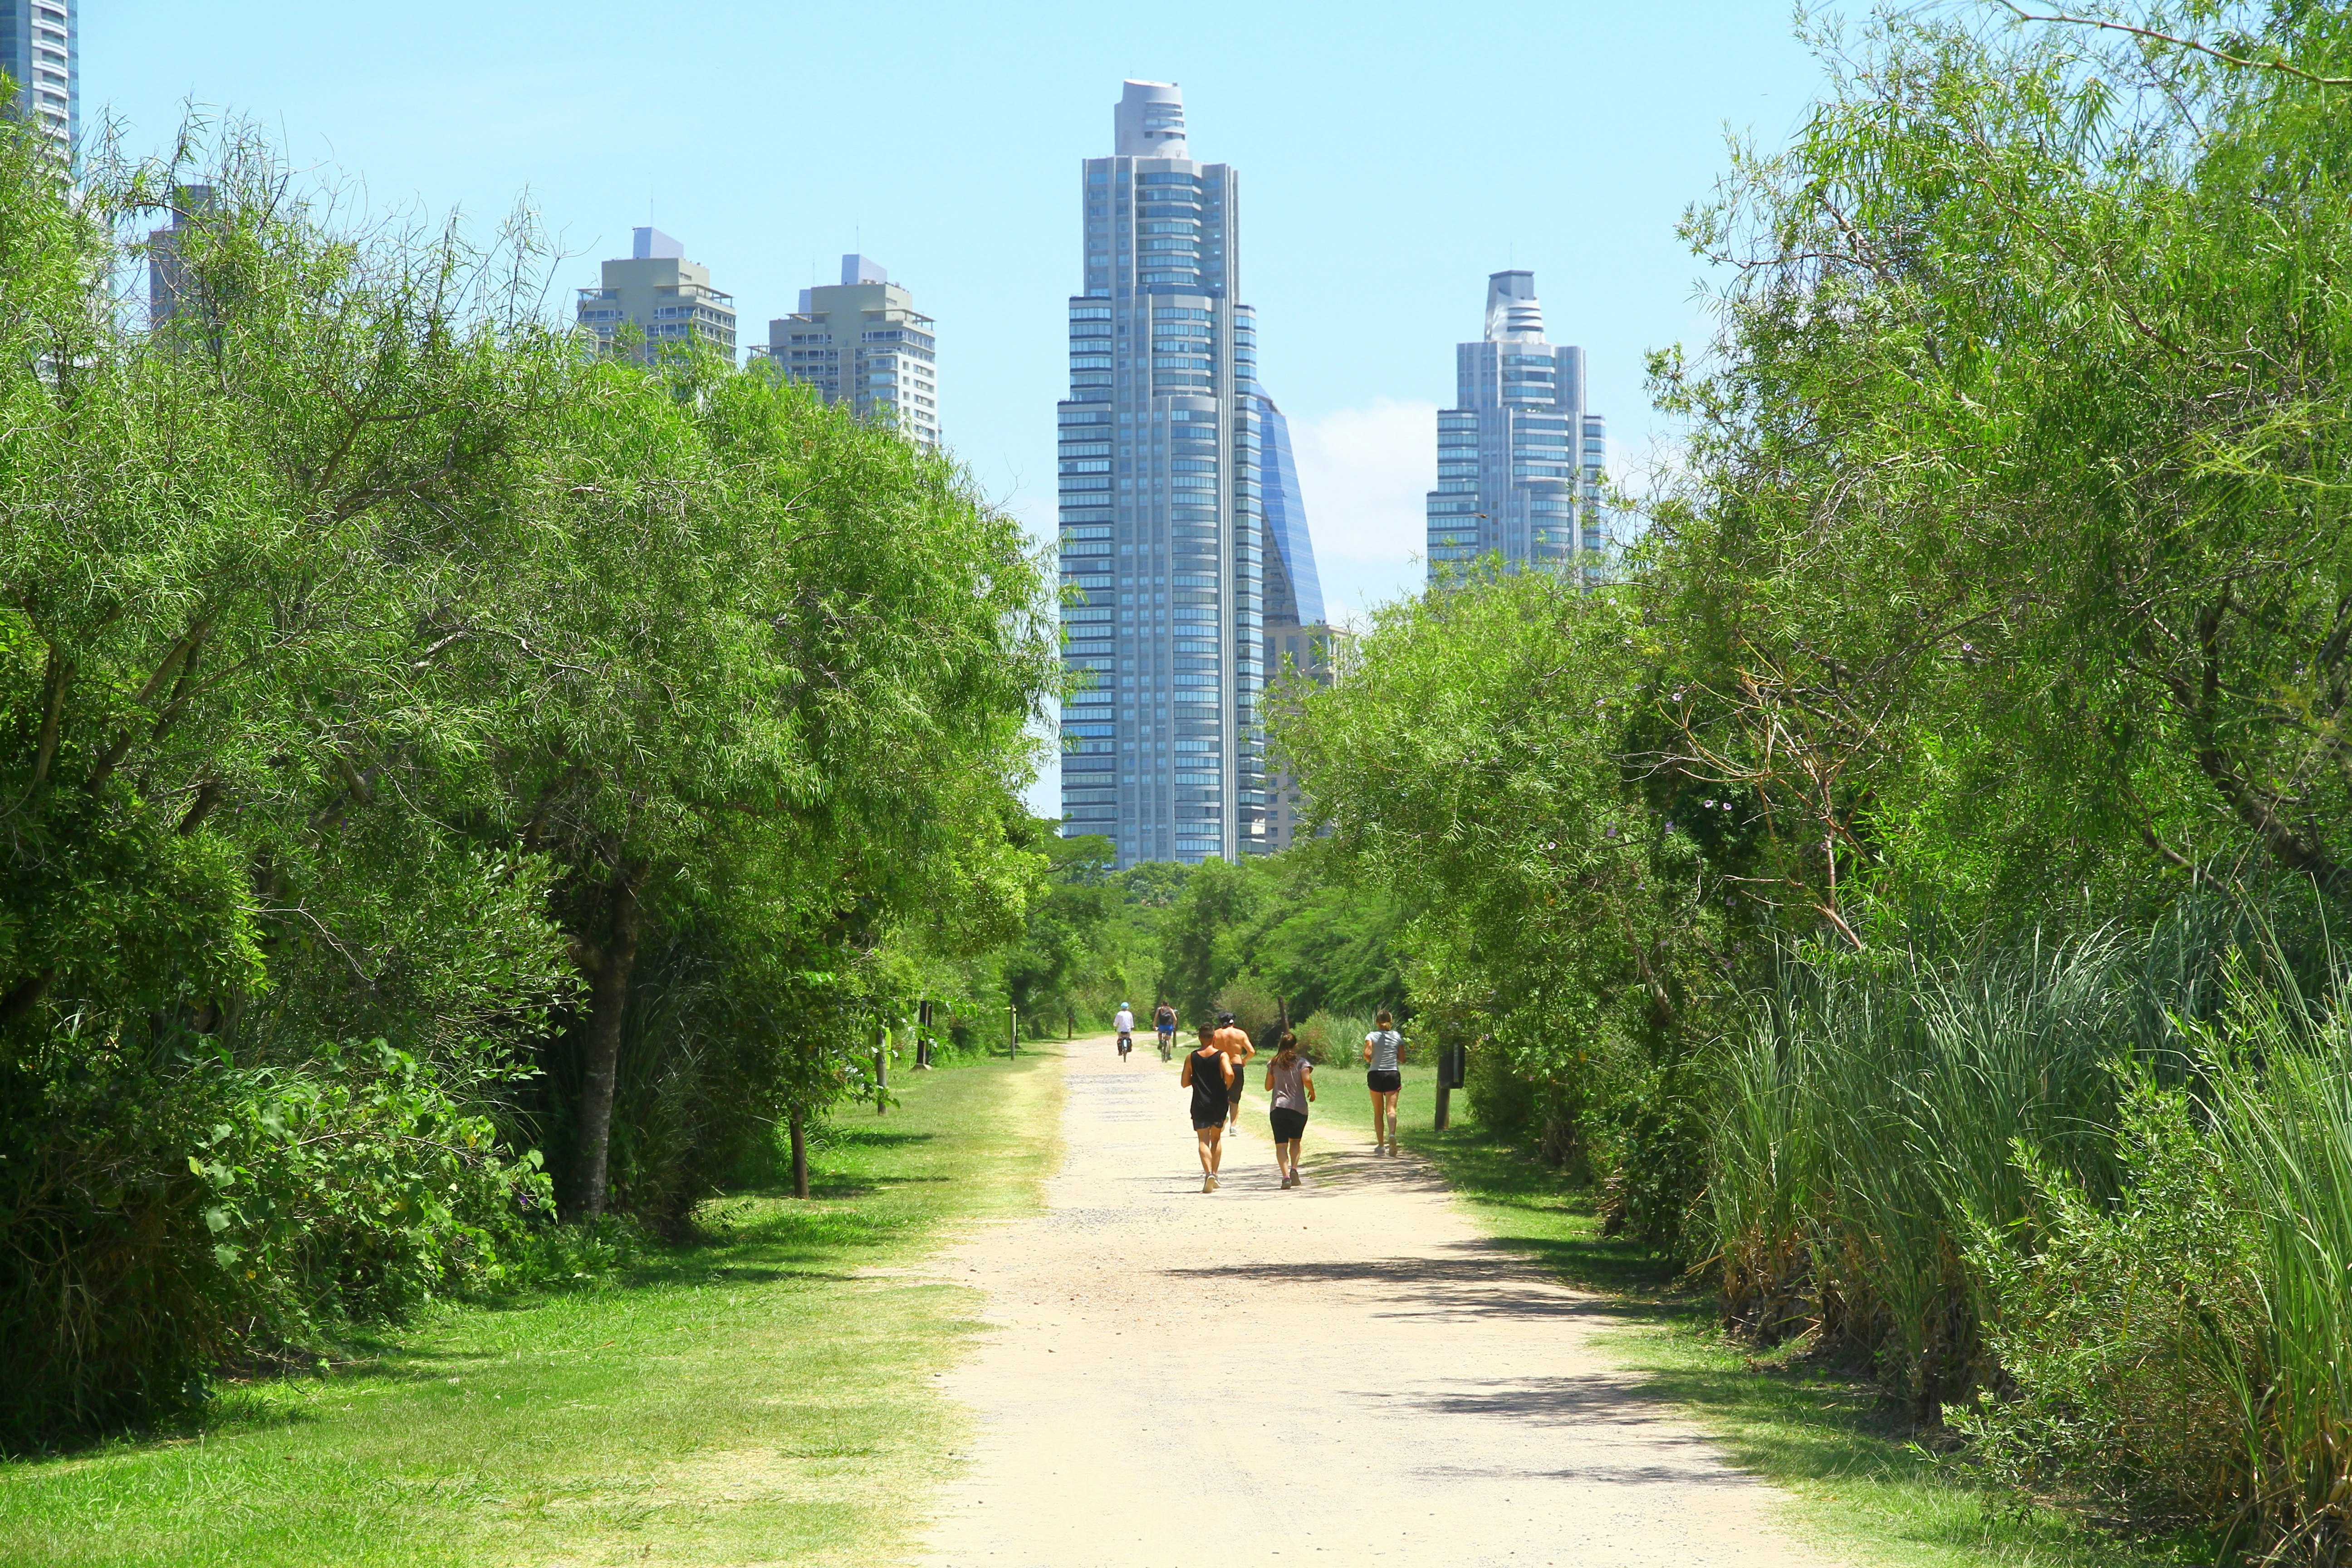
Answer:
(762, 1397)
(1862, 1490)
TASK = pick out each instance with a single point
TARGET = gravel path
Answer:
(1344, 1371)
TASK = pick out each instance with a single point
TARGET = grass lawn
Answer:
(1862, 1492)
(764, 1397)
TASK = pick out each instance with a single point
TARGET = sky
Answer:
(1390, 156)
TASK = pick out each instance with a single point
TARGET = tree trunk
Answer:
(608, 1004)
(800, 1157)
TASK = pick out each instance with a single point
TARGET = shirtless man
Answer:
(1235, 1043)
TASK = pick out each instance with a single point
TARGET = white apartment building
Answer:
(862, 342)
(665, 297)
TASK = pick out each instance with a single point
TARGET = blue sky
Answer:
(1391, 156)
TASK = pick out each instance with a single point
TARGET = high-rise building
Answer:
(863, 343)
(1294, 590)
(1300, 656)
(1302, 649)
(166, 255)
(1164, 525)
(668, 298)
(40, 50)
(1519, 458)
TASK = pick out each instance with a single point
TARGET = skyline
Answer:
(1387, 180)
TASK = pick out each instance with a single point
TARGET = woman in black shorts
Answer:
(1383, 1051)
(1210, 1077)
(1290, 1087)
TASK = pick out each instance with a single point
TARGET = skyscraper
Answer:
(664, 295)
(40, 50)
(1519, 458)
(862, 342)
(1162, 525)
(1302, 650)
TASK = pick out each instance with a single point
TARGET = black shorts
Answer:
(1381, 1082)
(1289, 1126)
(1214, 1119)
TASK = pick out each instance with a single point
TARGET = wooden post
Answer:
(1444, 1089)
(1013, 1030)
(800, 1157)
(923, 1037)
(882, 1073)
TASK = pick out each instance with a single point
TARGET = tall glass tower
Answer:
(40, 50)
(1163, 527)
(1519, 458)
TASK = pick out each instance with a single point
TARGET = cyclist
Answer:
(1125, 1024)
(1164, 1020)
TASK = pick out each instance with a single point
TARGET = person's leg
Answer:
(1392, 1098)
(1205, 1136)
(1379, 1136)
(1215, 1137)
(1291, 1149)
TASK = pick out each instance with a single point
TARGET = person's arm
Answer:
(1310, 1083)
(1368, 1050)
(1186, 1081)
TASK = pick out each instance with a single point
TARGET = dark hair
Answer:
(1383, 1020)
(1224, 1017)
(1287, 1046)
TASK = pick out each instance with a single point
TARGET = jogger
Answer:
(1290, 1087)
(1383, 1050)
(1235, 1043)
(1211, 1078)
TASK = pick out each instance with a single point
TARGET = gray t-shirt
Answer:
(1385, 1044)
(1288, 1083)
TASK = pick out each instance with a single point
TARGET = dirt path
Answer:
(1347, 1371)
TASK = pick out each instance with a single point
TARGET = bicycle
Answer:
(1126, 1044)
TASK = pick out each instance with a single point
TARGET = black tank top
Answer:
(1208, 1083)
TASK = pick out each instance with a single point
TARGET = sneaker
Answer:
(1208, 1183)
(1212, 1184)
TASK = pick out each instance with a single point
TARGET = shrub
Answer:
(166, 1216)
(1254, 1008)
(1334, 1039)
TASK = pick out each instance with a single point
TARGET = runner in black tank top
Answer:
(1208, 1076)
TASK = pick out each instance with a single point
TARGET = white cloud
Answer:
(1363, 473)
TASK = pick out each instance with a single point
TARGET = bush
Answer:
(165, 1217)
(1255, 1010)
(2118, 1327)
(1334, 1039)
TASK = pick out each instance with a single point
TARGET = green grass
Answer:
(1860, 1488)
(767, 1397)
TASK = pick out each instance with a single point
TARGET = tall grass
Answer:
(2086, 1187)
(2280, 1078)
(1873, 1111)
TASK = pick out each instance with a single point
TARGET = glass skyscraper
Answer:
(40, 50)
(1519, 456)
(1163, 524)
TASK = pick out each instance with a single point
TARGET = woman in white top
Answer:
(1382, 1050)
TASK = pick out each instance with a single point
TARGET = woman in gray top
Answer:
(1383, 1051)
(1290, 1088)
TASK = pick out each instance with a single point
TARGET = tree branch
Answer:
(2177, 42)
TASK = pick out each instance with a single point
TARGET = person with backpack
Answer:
(1211, 1078)
(1164, 1020)
(1124, 1024)
(1290, 1089)
(1384, 1076)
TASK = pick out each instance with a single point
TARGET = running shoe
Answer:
(1208, 1183)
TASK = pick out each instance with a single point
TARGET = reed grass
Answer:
(1901, 1132)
